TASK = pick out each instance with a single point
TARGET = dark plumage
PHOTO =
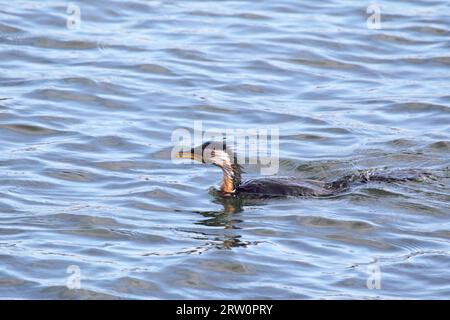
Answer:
(217, 153)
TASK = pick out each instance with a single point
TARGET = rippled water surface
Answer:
(86, 119)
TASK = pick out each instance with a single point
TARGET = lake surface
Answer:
(92, 207)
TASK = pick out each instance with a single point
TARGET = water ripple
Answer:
(87, 114)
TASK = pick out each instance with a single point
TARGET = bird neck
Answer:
(231, 178)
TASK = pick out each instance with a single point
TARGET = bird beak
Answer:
(192, 155)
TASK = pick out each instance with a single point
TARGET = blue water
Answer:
(88, 189)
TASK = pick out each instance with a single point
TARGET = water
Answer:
(86, 124)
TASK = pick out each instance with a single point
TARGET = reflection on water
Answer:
(86, 117)
(226, 220)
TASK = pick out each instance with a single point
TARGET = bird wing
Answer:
(282, 187)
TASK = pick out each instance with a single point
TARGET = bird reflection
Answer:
(228, 219)
(224, 230)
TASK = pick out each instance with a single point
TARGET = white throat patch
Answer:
(218, 157)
